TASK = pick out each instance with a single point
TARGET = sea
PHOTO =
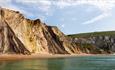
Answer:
(104, 62)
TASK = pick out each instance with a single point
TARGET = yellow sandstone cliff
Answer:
(36, 36)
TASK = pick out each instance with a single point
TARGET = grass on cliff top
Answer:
(92, 34)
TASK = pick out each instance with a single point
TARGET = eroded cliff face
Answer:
(9, 43)
(36, 36)
(96, 44)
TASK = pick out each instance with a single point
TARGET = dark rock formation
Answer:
(96, 44)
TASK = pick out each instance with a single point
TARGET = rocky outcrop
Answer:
(36, 36)
(96, 44)
(9, 43)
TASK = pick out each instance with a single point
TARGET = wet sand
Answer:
(38, 56)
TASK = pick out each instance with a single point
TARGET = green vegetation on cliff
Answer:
(92, 34)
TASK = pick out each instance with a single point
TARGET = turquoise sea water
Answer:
(76, 63)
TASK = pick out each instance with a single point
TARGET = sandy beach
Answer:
(38, 56)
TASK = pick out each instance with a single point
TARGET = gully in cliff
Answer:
(36, 36)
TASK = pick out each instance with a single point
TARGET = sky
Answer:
(70, 16)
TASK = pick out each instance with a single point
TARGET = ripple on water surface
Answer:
(75, 63)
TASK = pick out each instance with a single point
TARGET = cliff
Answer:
(9, 43)
(95, 43)
(36, 36)
(19, 35)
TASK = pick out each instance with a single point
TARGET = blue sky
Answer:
(70, 16)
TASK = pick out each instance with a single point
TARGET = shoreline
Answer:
(4, 57)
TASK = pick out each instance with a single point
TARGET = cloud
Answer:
(43, 5)
(5, 3)
(97, 18)
(62, 25)
(28, 7)
(46, 6)
(102, 4)
(8, 4)
(105, 6)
